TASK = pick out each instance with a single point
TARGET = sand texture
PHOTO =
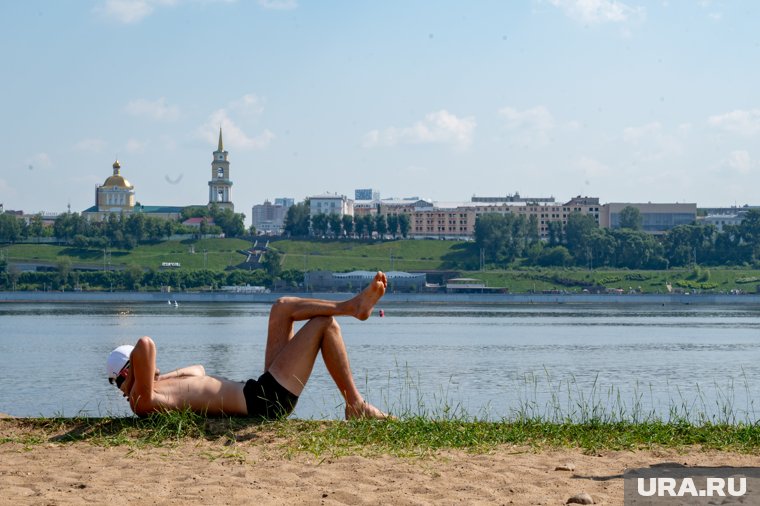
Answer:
(260, 472)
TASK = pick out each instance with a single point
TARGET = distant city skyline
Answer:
(628, 101)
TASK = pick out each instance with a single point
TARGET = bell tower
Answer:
(220, 186)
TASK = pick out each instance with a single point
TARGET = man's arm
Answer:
(191, 370)
(143, 374)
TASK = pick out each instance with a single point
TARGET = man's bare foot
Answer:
(365, 410)
(366, 300)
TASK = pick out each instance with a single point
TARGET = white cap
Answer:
(117, 359)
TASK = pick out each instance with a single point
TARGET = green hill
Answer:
(401, 255)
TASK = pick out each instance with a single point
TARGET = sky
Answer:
(628, 101)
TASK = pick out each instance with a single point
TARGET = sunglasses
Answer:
(121, 377)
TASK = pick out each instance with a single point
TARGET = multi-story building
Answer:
(331, 203)
(655, 218)
(268, 218)
(457, 220)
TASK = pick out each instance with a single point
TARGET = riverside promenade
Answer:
(433, 298)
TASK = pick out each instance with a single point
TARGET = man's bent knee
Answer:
(325, 321)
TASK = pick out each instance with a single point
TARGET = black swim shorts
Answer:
(266, 398)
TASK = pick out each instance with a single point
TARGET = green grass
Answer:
(341, 256)
(714, 279)
(403, 255)
(221, 253)
(408, 437)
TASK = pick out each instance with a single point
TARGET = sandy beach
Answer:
(258, 470)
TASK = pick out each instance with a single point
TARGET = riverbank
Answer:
(54, 462)
(389, 298)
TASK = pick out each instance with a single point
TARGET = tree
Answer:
(10, 230)
(555, 233)
(230, 222)
(319, 225)
(637, 250)
(133, 276)
(36, 229)
(630, 218)
(403, 225)
(501, 237)
(335, 222)
(135, 226)
(348, 225)
(533, 233)
(359, 226)
(577, 235)
(556, 256)
(392, 221)
(64, 269)
(369, 224)
(749, 229)
(381, 225)
(297, 220)
(603, 246)
(272, 262)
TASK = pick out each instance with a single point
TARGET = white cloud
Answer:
(440, 127)
(740, 161)
(279, 4)
(234, 136)
(533, 126)
(598, 11)
(745, 123)
(129, 11)
(134, 11)
(90, 145)
(157, 110)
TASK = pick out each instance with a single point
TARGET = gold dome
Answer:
(116, 164)
(117, 181)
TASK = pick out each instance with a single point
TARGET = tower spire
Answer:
(221, 144)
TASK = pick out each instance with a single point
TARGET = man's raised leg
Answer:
(293, 365)
(288, 310)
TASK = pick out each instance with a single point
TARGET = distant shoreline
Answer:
(473, 298)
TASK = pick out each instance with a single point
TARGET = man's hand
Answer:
(129, 382)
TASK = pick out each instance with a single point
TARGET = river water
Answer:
(437, 360)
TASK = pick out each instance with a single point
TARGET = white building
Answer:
(331, 203)
(721, 220)
(220, 186)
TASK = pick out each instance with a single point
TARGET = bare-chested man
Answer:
(288, 362)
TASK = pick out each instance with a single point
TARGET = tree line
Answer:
(135, 278)
(118, 230)
(298, 223)
(505, 239)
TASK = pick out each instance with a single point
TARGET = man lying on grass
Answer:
(288, 362)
